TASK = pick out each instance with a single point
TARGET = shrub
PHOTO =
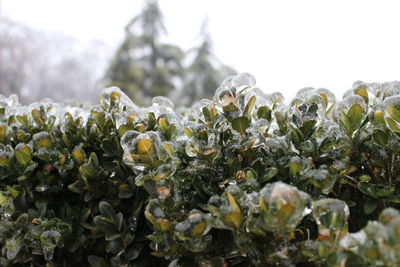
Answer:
(241, 180)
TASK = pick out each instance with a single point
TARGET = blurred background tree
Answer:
(205, 72)
(143, 65)
(36, 65)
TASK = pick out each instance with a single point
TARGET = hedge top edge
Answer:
(243, 179)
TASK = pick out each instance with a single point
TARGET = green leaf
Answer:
(269, 174)
(325, 99)
(370, 206)
(355, 115)
(3, 200)
(308, 128)
(49, 241)
(13, 246)
(393, 199)
(375, 190)
(78, 155)
(394, 113)
(112, 236)
(249, 106)
(241, 124)
(106, 209)
(327, 144)
(378, 118)
(23, 153)
(230, 107)
(99, 119)
(169, 131)
(264, 112)
(294, 168)
(162, 123)
(206, 113)
(77, 187)
(3, 133)
(23, 119)
(363, 93)
(37, 116)
(393, 125)
(188, 132)
(345, 122)
(14, 192)
(380, 137)
(105, 224)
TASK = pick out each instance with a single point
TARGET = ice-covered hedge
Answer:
(240, 180)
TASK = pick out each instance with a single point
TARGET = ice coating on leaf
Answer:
(224, 96)
(77, 112)
(49, 241)
(227, 83)
(389, 89)
(226, 208)
(283, 206)
(6, 154)
(326, 95)
(155, 214)
(263, 103)
(42, 141)
(113, 97)
(206, 110)
(164, 103)
(304, 92)
(347, 103)
(144, 149)
(312, 104)
(261, 125)
(126, 117)
(203, 103)
(194, 226)
(13, 246)
(171, 118)
(388, 215)
(244, 79)
(193, 230)
(353, 241)
(391, 107)
(331, 216)
(10, 101)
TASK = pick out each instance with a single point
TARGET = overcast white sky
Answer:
(287, 45)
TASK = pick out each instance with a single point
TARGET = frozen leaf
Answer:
(13, 247)
(23, 153)
(49, 240)
(283, 207)
(241, 124)
(42, 140)
(331, 217)
(375, 190)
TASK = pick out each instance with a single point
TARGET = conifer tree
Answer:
(205, 71)
(143, 65)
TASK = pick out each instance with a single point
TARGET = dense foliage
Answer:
(240, 180)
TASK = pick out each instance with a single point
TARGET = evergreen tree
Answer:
(205, 72)
(143, 66)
